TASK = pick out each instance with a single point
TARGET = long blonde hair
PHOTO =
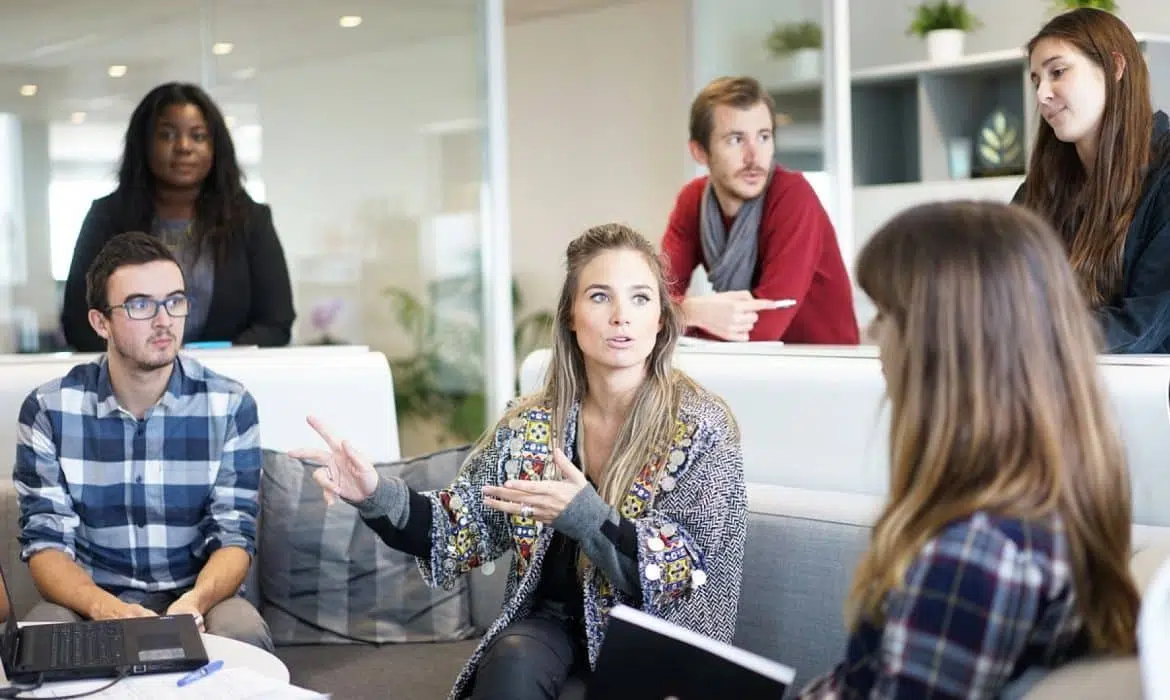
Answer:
(650, 425)
(996, 401)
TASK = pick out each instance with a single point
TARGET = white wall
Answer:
(878, 28)
(598, 107)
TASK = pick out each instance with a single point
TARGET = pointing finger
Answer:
(316, 424)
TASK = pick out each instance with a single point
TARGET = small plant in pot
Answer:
(801, 44)
(944, 25)
(1066, 5)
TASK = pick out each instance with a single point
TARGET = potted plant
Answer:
(801, 44)
(439, 385)
(1064, 5)
(944, 25)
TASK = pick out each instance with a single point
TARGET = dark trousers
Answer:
(532, 658)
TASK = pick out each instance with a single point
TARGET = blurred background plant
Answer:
(442, 379)
(786, 39)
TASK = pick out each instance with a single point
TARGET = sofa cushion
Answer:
(327, 578)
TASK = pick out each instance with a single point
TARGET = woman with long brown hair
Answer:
(1100, 173)
(621, 481)
(1005, 540)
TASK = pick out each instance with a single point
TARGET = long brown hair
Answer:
(650, 425)
(1093, 211)
(996, 402)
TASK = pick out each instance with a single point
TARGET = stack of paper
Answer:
(228, 684)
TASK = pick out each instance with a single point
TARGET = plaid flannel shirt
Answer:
(139, 504)
(984, 601)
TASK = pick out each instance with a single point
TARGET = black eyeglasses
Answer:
(145, 308)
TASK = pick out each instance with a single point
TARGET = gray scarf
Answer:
(730, 257)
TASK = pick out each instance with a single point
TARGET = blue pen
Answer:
(205, 671)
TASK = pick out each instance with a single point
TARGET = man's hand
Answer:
(115, 609)
(187, 604)
(727, 315)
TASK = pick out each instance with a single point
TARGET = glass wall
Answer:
(365, 125)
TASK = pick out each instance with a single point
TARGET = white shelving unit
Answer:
(904, 115)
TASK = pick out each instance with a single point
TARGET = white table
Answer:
(234, 654)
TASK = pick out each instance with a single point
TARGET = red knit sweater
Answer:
(798, 259)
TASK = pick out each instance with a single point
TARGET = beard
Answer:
(733, 185)
(146, 358)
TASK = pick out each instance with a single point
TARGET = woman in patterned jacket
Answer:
(620, 482)
(1004, 545)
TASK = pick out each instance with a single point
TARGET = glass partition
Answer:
(367, 127)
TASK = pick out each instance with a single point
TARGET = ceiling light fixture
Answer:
(116, 71)
(28, 90)
(230, 121)
(349, 21)
(222, 48)
(244, 73)
(77, 117)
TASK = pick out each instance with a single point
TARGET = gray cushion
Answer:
(327, 578)
(795, 579)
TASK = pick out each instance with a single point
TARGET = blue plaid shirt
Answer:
(139, 504)
(984, 601)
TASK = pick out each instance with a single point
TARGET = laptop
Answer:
(645, 657)
(110, 648)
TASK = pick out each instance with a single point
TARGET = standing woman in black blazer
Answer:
(179, 180)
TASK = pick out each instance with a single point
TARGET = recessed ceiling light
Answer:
(116, 71)
(77, 117)
(244, 73)
(230, 121)
(349, 21)
(222, 48)
(28, 90)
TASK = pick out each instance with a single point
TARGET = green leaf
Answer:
(1063, 5)
(932, 16)
(787, 38)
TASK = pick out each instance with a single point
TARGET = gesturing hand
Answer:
(543, 500)
(344, 473)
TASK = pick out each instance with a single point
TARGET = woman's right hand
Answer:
(343, 472)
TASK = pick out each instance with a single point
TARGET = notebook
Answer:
(647, 658)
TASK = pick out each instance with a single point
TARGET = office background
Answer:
(413, 150)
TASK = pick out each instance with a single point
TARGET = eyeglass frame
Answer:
(156, 303)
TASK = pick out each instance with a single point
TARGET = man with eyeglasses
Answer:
(137, 473)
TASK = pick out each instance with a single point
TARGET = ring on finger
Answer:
(526, 511)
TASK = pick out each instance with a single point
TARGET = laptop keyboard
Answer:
(89, 644)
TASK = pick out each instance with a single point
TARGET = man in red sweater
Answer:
(759, 231)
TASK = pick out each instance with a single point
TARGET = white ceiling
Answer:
(66, 46)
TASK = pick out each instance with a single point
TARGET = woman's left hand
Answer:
(542, 500)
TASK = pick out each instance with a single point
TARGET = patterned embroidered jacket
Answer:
(698, 510)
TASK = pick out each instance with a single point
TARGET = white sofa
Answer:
(815, 452)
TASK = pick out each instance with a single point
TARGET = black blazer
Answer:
(251, 301)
